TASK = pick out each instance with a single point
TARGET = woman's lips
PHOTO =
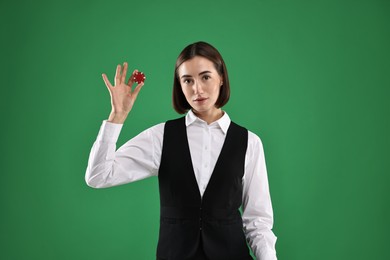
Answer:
(200, 99)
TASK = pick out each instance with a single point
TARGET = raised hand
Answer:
(122, 94)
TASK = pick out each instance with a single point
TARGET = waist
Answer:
(193, 212)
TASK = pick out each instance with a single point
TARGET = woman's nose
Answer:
(198, 89)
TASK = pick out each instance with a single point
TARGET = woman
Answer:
(207, 166)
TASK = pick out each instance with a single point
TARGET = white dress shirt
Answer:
(140, 157)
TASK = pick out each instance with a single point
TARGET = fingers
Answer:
(124, 72)
(107, 82)
(118, 75)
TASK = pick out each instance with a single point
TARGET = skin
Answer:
(122, 94)
(201, 83)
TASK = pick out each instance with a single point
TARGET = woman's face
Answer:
(200, 83)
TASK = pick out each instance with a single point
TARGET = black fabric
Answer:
(189, 224)
(199, 255)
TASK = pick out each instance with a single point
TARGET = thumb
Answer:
(137, 90)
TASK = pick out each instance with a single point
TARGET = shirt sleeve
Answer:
(137, 159)
(257, 208)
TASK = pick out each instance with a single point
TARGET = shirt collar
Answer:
(223, 122)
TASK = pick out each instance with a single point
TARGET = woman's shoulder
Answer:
(253, 137)
(156, 129)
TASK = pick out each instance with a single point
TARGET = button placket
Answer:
(206, 151)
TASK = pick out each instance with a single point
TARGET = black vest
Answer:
(189, 221)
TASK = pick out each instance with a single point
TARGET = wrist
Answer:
(117, 117)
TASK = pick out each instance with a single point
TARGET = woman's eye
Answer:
(187, 81)
(206, 77)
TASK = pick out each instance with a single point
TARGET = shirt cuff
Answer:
(109, 132)
(267, 256)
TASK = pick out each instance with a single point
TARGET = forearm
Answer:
(258, 222)
(102, 155)
(260, 237)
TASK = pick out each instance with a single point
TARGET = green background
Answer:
(311, 78)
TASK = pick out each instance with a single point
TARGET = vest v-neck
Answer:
(218, 162)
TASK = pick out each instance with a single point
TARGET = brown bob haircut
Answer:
(207, 51)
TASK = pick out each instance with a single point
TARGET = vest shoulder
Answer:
(238, 127)
(176, 121)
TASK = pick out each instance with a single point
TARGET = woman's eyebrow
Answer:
(189, 76)
(204, 72)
